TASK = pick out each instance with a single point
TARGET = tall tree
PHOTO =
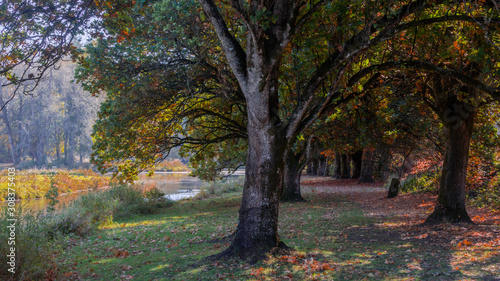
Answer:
(455, 84)
(254, 36)
(180, 94)
(255, 60)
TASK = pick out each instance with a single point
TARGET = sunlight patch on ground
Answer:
(142, 223)
(160, 267)
(105, 261)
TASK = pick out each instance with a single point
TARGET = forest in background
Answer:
(50, 126)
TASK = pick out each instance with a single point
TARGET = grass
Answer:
(336, 235)
(344, 231)
(41, 236)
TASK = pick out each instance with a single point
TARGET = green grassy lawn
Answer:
(341, 233)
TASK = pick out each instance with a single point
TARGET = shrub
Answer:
(174, 165)
(217, 188)
(487, 195)
(30, 164)
(40, 235)
(85, 214)
(132, 200)
(34, 248)
(425, 182)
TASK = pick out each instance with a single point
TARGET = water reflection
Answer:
(170, 182)
(40, 204)
(178, 186)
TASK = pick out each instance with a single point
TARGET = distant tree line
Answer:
(49, 126)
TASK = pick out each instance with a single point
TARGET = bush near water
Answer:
(36, 183)
(41, 236)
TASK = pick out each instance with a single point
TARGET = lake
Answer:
(178, 185)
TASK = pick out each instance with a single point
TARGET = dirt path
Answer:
(432, 251)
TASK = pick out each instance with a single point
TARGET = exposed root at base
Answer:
(251, 256)
(435, 220)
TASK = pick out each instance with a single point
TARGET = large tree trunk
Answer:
(337, 166)
(326, 167)
(357, 159)
(257, 230)
(366, 166)
(385, 159)
(315, 166)
(345, 172)
(393, 188)
(458, 120)
(293, 172)
(321, 165)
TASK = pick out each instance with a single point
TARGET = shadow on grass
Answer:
(333, 238)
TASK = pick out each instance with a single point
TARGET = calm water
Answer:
(175, 185)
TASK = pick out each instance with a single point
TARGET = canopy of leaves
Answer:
(36, 35)
(164, 87)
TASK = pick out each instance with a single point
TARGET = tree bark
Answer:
(327, 167)
(65, 148)
(385, 159)
(315, 166)
(356, 158)
(321, 165)
(458, 120)
(393, 188)
(58, 149)
(338, 165)
(366, 166)
(71, 150)
(345, 172)
(293, 172)
(257, 231)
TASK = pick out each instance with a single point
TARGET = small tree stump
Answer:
(393, 188)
